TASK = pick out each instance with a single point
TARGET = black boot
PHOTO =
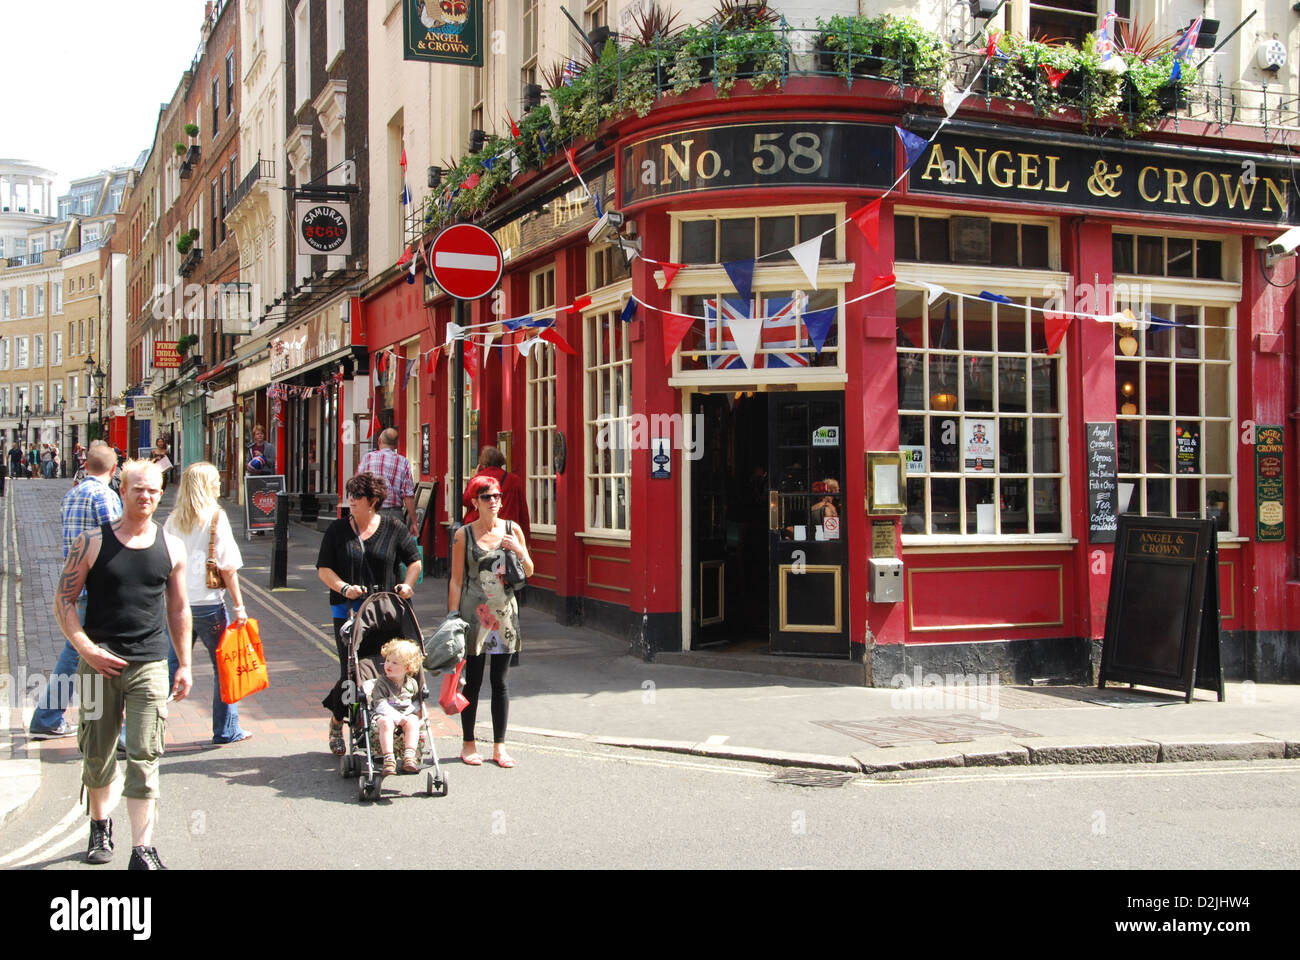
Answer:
(101, 841)
(145, 858)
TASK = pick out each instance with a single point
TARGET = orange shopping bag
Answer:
(241, 666)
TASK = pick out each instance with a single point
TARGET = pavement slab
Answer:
(1243, 747)
(1105, 749)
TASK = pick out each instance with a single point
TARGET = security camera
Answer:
(1285, 244)
(609, 221)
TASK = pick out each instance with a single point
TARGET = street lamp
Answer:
(63, 451)
(95, 373)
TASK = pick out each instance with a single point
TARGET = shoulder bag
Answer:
(514, 575)
(213, 579)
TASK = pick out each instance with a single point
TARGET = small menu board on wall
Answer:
(1162, 622)
(1103, 490)
(1270, 486)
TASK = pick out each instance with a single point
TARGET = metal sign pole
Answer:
(458, 449)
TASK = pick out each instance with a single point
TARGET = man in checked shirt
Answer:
(386, 462)
(86, 506)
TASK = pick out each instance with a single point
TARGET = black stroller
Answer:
(381, 617)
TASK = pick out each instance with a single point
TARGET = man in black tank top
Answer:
(132, 571)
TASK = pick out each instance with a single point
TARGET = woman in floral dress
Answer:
(487, 603)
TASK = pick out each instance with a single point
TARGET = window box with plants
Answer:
(888, 47)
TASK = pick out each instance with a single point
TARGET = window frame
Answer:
(1024, 286)
(711, 280)
(598, 367)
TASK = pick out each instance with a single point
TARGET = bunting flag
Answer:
(781, 332)
(471, 358)
(410, 368)
(454, 332)
(952, 98)
(881, 282)
(913, 145)
(573, 162)
(551, 335)
(808, 255)
(994, 37)
(582, 302)
(526, 346)
(489, 162)
(1055, 325)
(675, 327)
(515, 323)
(670, 271)
(415, 262)
(933, 291)
(819, 324)
(470, 182)
(542, 145)
(489, 340)
(745, 331)
(406, 256)
(406, 190)
(514, 127)
(995, 297)
(430, 362)
(1054, 76)
(629, 311)
(741, 273)
(868, 221)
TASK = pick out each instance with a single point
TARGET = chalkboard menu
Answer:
(1103, 490)
(1162, 622)
(260, 501)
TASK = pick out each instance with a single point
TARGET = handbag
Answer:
(447, 646)
(514, 575)
(213, 579)
(241, 664)
(450, 698)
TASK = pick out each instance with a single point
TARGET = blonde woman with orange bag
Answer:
(198, 520)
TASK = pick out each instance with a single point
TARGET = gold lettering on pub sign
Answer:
(1005, 169)
(1160, 543)
(1170, 186)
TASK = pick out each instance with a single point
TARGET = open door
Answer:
(808, 549)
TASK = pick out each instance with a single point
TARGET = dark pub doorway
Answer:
(769, 558)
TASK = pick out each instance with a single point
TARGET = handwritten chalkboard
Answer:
(1103, 490)
(1162, 622)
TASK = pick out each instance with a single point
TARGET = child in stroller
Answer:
(392, 703)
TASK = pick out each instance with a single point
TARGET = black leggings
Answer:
(500, 695)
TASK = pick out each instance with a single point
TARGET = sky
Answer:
(84, 78)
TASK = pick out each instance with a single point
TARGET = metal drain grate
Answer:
(813, 778)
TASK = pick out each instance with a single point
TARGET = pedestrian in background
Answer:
(47, 461)
(359, 553)
(4, 467)
(514, 505)
(133, 572)
(16, 459)
(33, 463)
(85, 508)
(395, 470)
(159, 456)
(478, 592)
(202, 526)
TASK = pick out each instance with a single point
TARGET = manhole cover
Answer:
(888, 732)
(813, 778)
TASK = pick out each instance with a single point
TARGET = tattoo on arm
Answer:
(72, 581)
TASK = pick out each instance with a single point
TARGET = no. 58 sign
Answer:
(757, 155)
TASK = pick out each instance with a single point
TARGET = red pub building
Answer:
(980, 298)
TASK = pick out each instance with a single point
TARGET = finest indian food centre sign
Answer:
(1166, 185)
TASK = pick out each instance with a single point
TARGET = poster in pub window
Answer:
(443, 31)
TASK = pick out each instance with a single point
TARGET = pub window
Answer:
(980, 418)
(541, 435)
(541, 408)
(476, 100)
(1070, 21)
(722, 238)
(468, 451)
(607, 401)
(216, 105)
(597, 14)
(1173, 396)
(608, 265)
(1167, 256)
(528, 74)
(978, 240)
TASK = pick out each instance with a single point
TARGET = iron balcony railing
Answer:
(261, 170)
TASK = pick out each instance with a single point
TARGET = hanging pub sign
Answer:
(443, 31)
(323, 228)
(1162, 619)
(785, 154)
(1270, 515)
(1167, 185)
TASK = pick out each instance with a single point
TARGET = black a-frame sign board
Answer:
(1162, 623)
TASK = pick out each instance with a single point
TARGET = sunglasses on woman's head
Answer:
(489, 496)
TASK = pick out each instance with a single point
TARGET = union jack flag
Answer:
(570, 73)
(1187, 42)
(783, 333)
(1104, 46)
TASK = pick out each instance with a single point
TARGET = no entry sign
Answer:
(465, 261)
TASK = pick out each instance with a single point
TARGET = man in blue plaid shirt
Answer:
(86, 506)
